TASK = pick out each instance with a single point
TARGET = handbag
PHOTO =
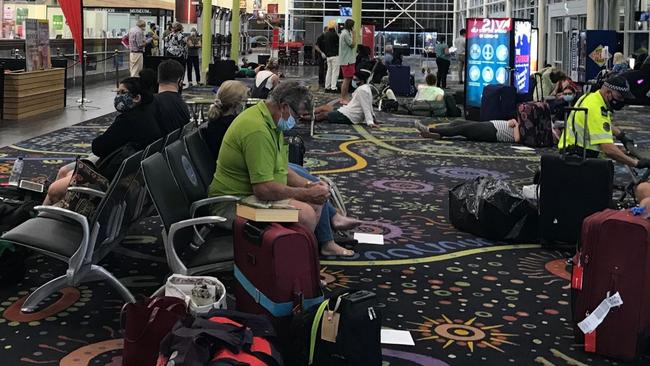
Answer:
(145, 324)
(85, 175)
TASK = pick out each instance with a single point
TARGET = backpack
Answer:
(261, 91)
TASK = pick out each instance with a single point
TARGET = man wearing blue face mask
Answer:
(254, 158)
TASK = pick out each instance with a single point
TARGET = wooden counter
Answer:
(28, 94)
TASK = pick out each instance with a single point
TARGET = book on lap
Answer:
(267, 211)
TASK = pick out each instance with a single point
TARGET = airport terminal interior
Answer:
(471, 216)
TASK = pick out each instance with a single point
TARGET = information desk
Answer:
(28, 94)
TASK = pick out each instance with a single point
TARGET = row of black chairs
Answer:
(82, 242)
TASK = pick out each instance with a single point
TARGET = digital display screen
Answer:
(488, 55)
(522, 54)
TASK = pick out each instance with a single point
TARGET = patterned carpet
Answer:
(466, 300)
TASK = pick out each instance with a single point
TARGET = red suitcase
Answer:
(276, 267)
(615, 256)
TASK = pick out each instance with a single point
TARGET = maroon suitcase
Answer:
(614, 257)
(276, 267)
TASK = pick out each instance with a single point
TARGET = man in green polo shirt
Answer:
(254, 157)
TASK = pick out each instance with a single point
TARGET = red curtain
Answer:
(72, 12)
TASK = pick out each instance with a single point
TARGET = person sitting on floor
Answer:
(135, 125)
(266, 79)
(489, 131)
(429, 92)
(229, 102)
(172, 112)
(359, 110)
(254, 159)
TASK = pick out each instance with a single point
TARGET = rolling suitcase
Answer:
(399, 78)
(535, 126)
(498, 102)
(277, 270)
(615, 257)
(572, 188)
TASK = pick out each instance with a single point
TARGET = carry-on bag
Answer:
(277, 270)
(498, 102)
(343, 330)
(145, 324)
(399, 78)
(572, 187)
(296, 150)
(535, 126)
(614, 261)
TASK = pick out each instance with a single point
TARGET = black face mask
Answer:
(616, 104)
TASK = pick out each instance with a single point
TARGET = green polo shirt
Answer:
(253, 151)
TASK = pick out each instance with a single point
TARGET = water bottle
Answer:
(16, 172)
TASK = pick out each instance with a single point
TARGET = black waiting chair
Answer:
(171, 137)
(184, 256)
(201, 156)
(184, 172)
(80, 241)
(154, 147)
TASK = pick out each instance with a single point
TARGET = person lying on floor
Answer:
(135, 125)
(429, 92)
(330, 220)
(254, 160)
(359, 110)
(488, 131)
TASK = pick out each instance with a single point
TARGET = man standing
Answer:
(459, 43)
(322, 58)
(442, 61)
(331, 40)
(347, 58)
(193, 49)
(137, 44)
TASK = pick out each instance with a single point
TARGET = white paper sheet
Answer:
(522, 148)
(392, 336)
(377, 239)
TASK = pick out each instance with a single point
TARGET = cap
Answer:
(619, 84)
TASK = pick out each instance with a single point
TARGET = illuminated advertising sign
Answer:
(533, 50)
(488, 55)
(522, 54)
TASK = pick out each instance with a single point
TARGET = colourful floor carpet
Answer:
(466, 300)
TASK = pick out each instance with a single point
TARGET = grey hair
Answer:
(293, 94)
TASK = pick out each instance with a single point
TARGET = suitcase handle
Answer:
(254, 231)
(575, 110)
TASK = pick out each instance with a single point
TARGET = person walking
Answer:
(459, 43)
(443, 61)
(137, 44)
(193, 50)
(331, 43)
(321, 57)
(347, 58)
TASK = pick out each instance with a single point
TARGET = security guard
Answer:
(611, 97)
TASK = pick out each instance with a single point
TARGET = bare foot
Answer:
(340, 222)
(331, 248)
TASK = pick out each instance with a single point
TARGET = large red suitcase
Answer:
(615, 256)
(276, 267)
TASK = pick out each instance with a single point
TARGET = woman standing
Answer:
(176, 44)
(443, 61)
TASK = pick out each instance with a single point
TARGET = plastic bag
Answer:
(492, 209)
(201, 293)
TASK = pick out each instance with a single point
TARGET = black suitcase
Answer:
(498, 102)
(572, 187)
(296, 150)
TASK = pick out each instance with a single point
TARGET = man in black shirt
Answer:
(331, 50)
(172, 112)
(321, 57)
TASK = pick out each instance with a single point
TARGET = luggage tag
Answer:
(577, 275)
(590, 342)
(330, 323)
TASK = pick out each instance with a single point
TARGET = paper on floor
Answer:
(392, 336)
(377, 239)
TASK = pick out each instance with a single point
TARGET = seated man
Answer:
(359, 110)
(172, 112)
(254, 158)
(600, 142)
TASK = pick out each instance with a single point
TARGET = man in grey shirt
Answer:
(137, 44)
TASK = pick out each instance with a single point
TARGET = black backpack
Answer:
(261, 91)
(452, 108)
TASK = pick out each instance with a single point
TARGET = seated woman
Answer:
(620, 64)
(561, 98)
(135, 125)
(488, 131)
(330, 220)
(229, 102)
(429, 92)
(266, 79)
(358, 110)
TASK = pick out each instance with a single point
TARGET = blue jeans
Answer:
(323, 230)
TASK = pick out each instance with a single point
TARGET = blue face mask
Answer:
(568, 97)
(354, 83)
(286, 124)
